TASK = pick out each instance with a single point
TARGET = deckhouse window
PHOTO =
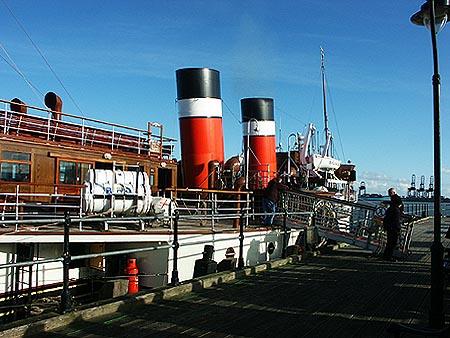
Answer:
(15, 166)
(72, 172)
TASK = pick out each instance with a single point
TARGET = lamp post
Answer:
(433, 14)
(289, 157)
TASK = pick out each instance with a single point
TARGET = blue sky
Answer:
(117, 59)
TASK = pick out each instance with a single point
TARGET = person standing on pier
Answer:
(270, 198)
(395, 199)
(392, 226)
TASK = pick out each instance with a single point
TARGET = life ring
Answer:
(379, 213)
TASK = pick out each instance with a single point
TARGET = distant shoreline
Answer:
(378, 197)
(445, 202)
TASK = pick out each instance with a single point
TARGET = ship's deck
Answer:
(340, 293)
(122, 228)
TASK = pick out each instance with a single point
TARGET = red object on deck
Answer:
(132, 271)
(200, 118)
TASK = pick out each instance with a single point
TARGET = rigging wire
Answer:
(10, 62)
(335, 119)
(235, 117)
(290, 115)
(43, 57)
(231, 112)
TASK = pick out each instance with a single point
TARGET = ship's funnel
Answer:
(54, 103)
(258, 127)
(18, 106)
(200, 118)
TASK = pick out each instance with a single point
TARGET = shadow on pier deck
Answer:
(339, 293)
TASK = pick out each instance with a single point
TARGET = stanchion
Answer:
(175, 279)
(66, 303)
(241, 241)
(283, 250)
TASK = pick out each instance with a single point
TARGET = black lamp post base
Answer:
(398, 329)
(437, 316)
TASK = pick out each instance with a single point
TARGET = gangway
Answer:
(342, 221)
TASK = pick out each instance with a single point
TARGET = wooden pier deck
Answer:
(339, 293)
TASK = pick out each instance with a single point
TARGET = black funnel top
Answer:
(260, 109)
(198, 83)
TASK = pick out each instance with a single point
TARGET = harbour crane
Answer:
(430, 190)
(421, 190)
(412, 192)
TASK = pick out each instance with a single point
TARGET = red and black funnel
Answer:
(200, 116)
(258, 127)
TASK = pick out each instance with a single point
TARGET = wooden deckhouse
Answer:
(45, 153)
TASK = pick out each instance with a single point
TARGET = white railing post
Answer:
(83, 136)
(5, 124)
(49, 119)
(211, 207)
(112, 137)
(17, 207)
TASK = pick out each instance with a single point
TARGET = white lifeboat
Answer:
(120, 193)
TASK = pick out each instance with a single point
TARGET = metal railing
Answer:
(332, 218)
(86, 132)
(22, 206)
(207, 207)
(343, 221)
(65, 300)
(211, 206)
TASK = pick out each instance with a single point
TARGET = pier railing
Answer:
(22, 295)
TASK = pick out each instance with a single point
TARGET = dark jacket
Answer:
(392, 218)
(271, 192)
(397, 201)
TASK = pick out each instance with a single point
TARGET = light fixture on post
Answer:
(434, 15)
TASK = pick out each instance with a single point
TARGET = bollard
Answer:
(132, 271)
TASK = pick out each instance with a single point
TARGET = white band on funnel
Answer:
(258, 128)
(200, 107)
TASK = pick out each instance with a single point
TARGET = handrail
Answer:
(100, 133)
(201, 190)
(48, 111)
(343, 221)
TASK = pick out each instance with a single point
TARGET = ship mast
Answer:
(328, 135)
